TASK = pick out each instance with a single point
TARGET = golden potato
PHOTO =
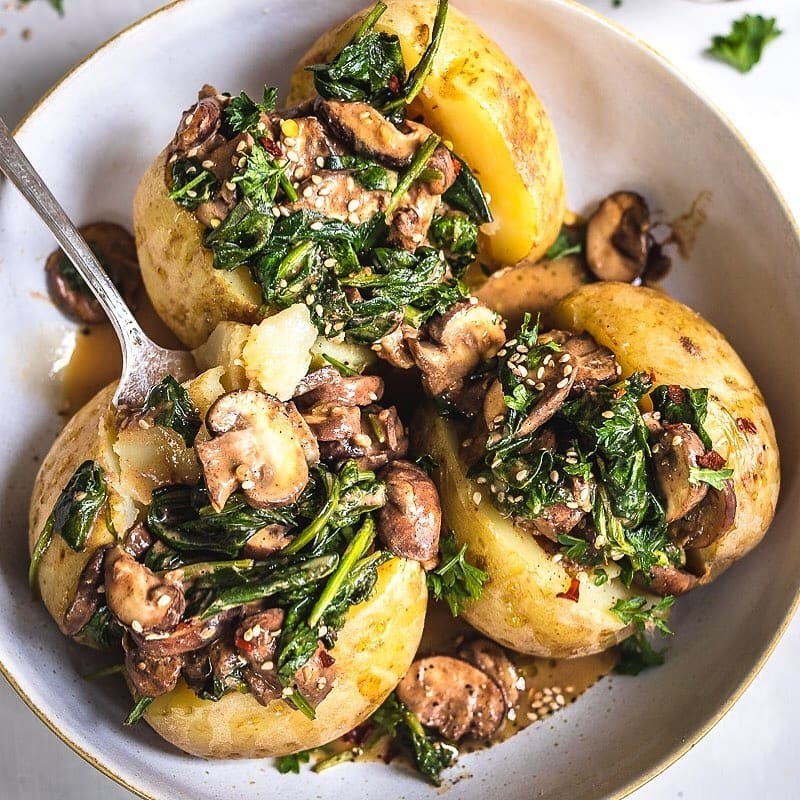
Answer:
(476, 98)
(185, 289)
(375, 648)
(519, 607)
(647, 330)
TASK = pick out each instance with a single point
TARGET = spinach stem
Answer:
(319, 522)
(414, 170)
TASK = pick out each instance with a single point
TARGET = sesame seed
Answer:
(288, 691)
(319, 161)
(538, 386)
(353, 204)
(520, 683)
(191, 193)
(308, 191)
(571, 504)
(323, 630)
(101, 589)
(319, 309)
(364, 115)
(607, 414)
(231, 187)
(540, 373)
(522, 371)
(267, 666)
(208, 632)
(562, 383)
(207, 164)
(352, 219)
(173, 158)
(316, 180)
(372, 396)
(522, 349)
(548, 360)
(501, 496)
(145, 424)
(496, 463)
(247, 485)
(656, 448)
(282, 283)
(499, 418)
(481, 480)
(285, 211)
(502, 352)
(554, 706)
(511, 343)
(599, 541)
(566, 357)
(248, 635)
(466, 443)
(324, 191)
(164, 600)
(476, 498)
(521, 475)
(567, 370)
(289, 141)
(619, 369)
(276, 212)
(241, 162)
(241, 147)
(316, 226)
(512, 714)
(292, 156)
(554, 476)
(136, 626)
(656, 415)
(677, 441)
(569, 689)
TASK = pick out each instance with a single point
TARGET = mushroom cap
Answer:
(617, 237)
(256, 445)
(676, 451)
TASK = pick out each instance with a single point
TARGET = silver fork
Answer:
(144, 363)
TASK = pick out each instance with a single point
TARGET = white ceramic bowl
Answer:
(624, 119)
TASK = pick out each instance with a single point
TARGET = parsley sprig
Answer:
(743, 46)
(455, 580)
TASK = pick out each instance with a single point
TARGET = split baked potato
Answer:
(650, 333)
(474, 98)
(380, 635)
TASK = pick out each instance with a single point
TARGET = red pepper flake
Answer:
(573, 593)
(676, 394)
(271, 146)
(746, 425)
(394, 84)
(711, 460)
(456, 167)
(243, 645)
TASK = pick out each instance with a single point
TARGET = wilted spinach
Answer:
(172, 408)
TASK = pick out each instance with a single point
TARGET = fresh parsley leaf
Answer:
(457, 235)
(564, 245)
(58, 5)
(713, 477)
(635, 610)
(174, 409)
(243, 234)
(291, 763)
(679, 404)
(243, 113)
(455, 579)
(262, 177)
(636, 654)
(743, 46)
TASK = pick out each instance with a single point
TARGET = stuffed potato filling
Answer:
(560, 445)
(242, 582)
(341, 203)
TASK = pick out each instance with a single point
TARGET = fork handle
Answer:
(21, 173)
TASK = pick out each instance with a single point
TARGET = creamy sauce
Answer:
(96, 359)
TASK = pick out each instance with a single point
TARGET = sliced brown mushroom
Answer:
(675, 453)
(410, 522)
(670, 580)
(87, 596)
(492, 659)
(198, 130)
(370, 134)
(192, 634)
(336, 194)
(138, 598)
(115, 250)
(617, 237)
(592, 363)
(326, 385)
(409, 224)
(253, 446)
(138, 540)
(317, 677)
(263, 543)
(219, 661)
(304, 141)
(555, 520)
(707, 521)
(393, 347)
(256, 639)
(151, 677)
(453, 696)
(450, 346)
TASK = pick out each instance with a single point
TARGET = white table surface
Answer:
(753, 750)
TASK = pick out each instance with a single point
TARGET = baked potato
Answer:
(472, 87)
(140, 456)
(534, 557)
(649, 331)
(478, 100)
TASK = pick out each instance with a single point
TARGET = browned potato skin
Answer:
(647, 330)
(88, 435)
(476, 98)
(178, 273)
(531, 288)
(374, 650)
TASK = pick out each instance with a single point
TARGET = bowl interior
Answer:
(624, 120)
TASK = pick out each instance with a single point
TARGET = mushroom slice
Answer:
(676, 451)
(593, 364)
(116, 250)
(256, 639)
(326, 385)
(453, 696)
(317, 677)
(492, 659)
(370, 134)
(193, 634)
(254, 446)
(150, 676)
(554, 383)
(450, 346)
(87, 597)
(263, 543)
(617, 237)
(410, 522)
(707, 521)
(138, 598)
(199, 125)
(670, 580)
(556, 519)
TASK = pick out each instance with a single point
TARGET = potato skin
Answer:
(647, 330)
(476, 98)
(518, 607)
(374, 650)
(185, 289)
(89, 434)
